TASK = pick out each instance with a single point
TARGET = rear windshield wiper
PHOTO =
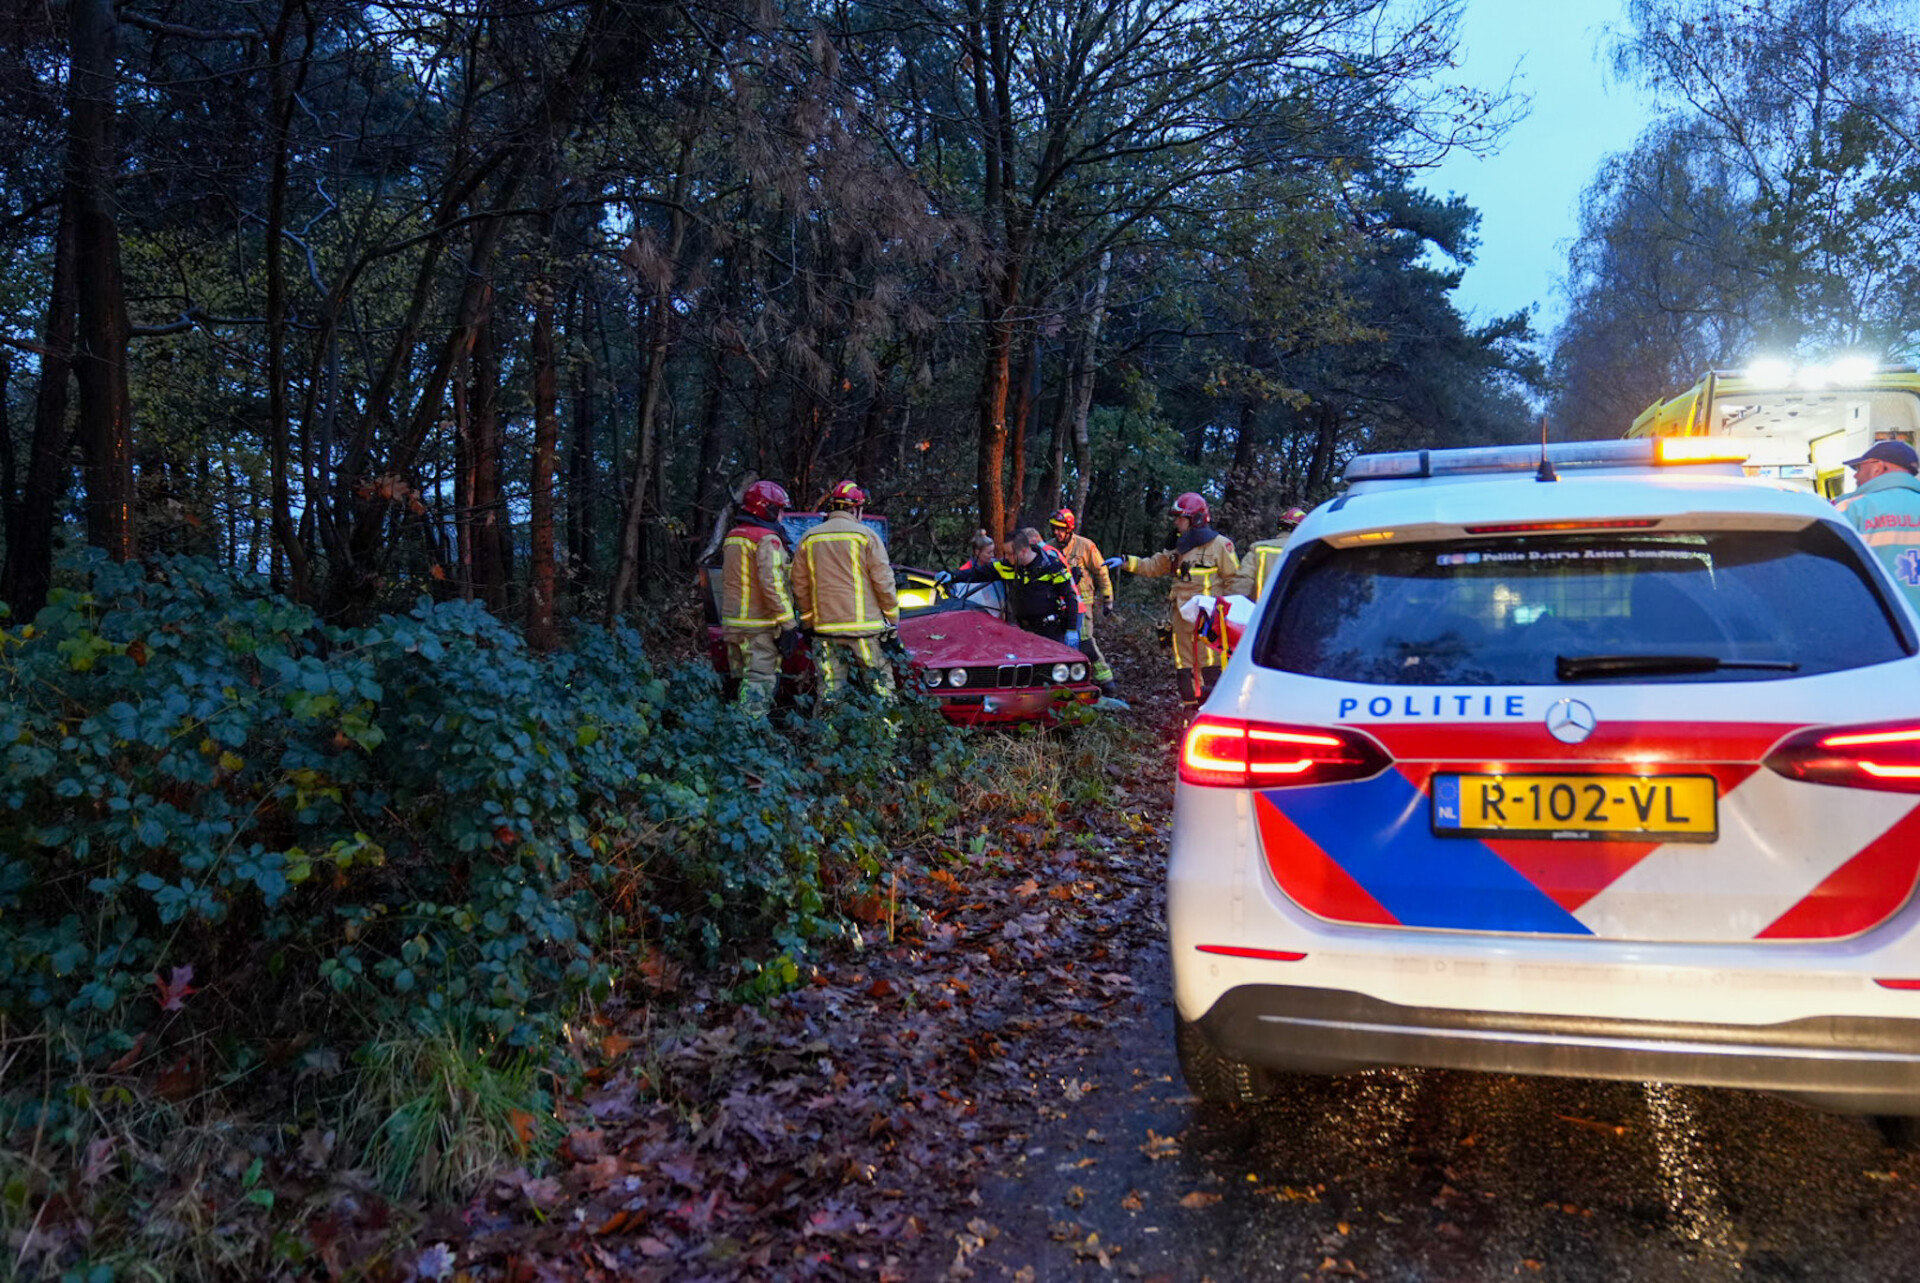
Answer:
(1573, 668)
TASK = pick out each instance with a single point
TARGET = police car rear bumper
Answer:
(1848, 1063)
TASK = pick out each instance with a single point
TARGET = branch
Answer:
(160, 28)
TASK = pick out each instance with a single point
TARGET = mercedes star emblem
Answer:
(1570, 721)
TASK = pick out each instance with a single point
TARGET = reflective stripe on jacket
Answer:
(1257, 567)
(753, 580)
(1886, 512)
(842, 579)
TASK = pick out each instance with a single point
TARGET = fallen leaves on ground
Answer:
(839, 1130)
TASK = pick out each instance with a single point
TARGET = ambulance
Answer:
(1797, 424)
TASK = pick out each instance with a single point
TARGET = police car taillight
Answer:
(1228, 753)
(1883, 756)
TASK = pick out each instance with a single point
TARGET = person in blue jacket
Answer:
(1885, 509)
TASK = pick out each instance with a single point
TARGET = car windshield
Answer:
(1742, 605)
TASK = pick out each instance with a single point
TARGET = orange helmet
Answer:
(1293, 517)
(1191, 506)
(765, 500)
(1063, 520)
(845, 495)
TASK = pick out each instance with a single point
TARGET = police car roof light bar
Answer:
(1407, 465)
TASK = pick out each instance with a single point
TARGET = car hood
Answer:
(959, 638)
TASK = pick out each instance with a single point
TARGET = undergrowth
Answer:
(294, 918)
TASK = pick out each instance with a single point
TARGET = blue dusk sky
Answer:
(1528, 193)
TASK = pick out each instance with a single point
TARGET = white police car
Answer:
(1612, 775)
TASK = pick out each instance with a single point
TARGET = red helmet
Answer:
(845, 495)
(1063, 520)
(765, 500)
(1191, 506)
(1293, 517)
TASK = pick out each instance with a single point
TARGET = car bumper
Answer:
(1858, 1064)
(982, 708)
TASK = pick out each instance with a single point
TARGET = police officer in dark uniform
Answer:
(1040, 593)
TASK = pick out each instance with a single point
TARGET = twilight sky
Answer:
(1528, 194)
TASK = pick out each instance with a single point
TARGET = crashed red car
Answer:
(982, 669)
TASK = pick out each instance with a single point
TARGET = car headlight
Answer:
(935, 676)
(1079, 672)
(957, 677)
(1060, 672)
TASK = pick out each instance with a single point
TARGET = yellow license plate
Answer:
(1669, 808)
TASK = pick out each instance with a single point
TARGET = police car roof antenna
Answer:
(1546, 472)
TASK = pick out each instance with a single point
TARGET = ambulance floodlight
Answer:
(1852, 369)
(1770, 372)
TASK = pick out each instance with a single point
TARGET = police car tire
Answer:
(1899, 1131)
(1217, 1079)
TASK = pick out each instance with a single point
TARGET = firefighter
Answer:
(1039, 588)
(1200, 561)
(1089, 571)
(757, 619)
(843, 583)
(1256, 568)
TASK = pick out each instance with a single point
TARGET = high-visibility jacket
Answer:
(1089, 570)
(1257, 567)
(1038, 593)
(1202, 568)
(842, 579)
(1886, 512)
(753, 580)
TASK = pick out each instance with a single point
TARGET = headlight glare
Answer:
(1060, 672)
(957, 677)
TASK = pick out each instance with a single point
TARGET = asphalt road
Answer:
(1430, 1175)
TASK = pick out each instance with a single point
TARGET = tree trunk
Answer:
(1024, 400)
(546, 443)
(580, 475)
(995, 383)
(1083, 389)
(279, 429)
(488, 515)
(105, 424)
(660, 330)
(28, 572)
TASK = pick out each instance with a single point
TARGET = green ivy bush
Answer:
(420, 823)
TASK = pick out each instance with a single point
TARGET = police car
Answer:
(1603, 766)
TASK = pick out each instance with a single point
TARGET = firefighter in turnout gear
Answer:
(1200, 561)
(1040, 592)
(843, 583)
(1257, 567)
(1089, 570)
(757, 619)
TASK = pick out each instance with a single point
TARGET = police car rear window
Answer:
(1733, 605)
